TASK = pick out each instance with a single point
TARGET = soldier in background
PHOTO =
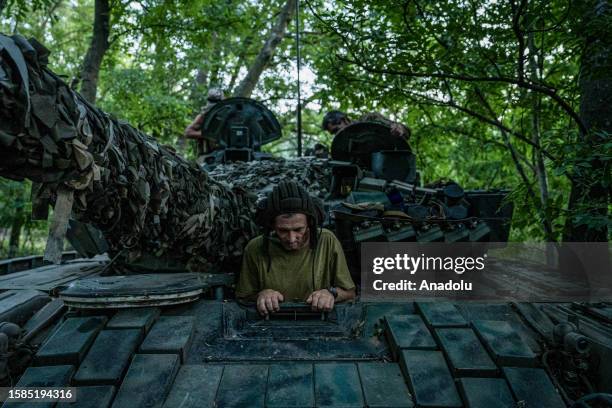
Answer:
(194, 130)
(320, 151)
(335, 120)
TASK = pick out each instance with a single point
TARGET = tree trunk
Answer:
(516, 158)
(538, 159)
(18, 221)
(197, 100)
(95, 54)
(198, 95)
(240, 61)
(233, 77)
(589, 194)
(245, 88)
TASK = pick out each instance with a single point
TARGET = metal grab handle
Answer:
(296, 309)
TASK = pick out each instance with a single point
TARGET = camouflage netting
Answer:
(143, 196)
(260, 176)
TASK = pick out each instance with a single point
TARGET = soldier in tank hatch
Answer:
(294, 259)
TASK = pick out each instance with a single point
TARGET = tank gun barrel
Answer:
(143, 196)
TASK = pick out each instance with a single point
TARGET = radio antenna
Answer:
(299, 97)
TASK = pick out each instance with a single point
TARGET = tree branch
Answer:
(485, 119)
(550, 92)
(548, 231)
(245, 88)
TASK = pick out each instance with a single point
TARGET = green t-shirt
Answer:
(291, 272)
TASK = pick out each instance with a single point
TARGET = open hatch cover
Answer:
(241, 123)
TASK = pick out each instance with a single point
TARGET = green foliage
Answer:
(452, 71)
(63, 27)
(589, 162)
(14, 196)
(145, 102)
(20, 9)
(449, 70)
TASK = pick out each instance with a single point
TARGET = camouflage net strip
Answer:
(144, 197)
(260, 176)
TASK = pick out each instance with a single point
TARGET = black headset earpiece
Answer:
(262, 211)
(318, 211)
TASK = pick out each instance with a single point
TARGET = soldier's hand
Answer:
(194, 130)
(321, 300)
(268, 301)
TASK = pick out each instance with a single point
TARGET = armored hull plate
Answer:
(49, 277)
(226, 355)
(139, 290)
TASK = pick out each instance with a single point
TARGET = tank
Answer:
(144, 325)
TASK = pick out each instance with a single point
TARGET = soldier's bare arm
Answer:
(194, 130)
(344, 295)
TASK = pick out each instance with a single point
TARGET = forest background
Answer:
(499, 94)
